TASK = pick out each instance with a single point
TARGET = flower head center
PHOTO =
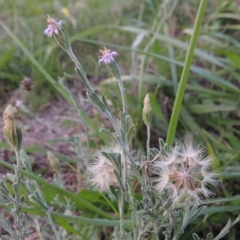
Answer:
(184, 180)
(52, 21)
(105, 51)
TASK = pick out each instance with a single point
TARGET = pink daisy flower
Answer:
(53, 26)
(107, 56)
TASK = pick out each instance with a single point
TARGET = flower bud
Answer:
(147, 110)
(12, 130)
(54, 162)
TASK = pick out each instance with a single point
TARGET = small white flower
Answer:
(107, 56)
(53, 26)
(101, 173)
(184, 174)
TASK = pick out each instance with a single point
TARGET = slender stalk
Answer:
(16, 203)
(18, 160)
(185, 73)
(148, 183)
(133, 210)
(148, 141)
(80, 68)
(125, 170)
(121, 87)
(122, 198)
(121, 213)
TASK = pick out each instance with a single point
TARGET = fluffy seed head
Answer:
(101, 173)
(184, 174)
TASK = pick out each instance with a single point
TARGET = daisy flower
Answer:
(107, 56)
(53, 26)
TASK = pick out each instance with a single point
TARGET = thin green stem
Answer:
(125, 163)
(148, 183)
(121, 87)
(122, 197)
(148, 141)
(121, 213)
(185, 73)
(132, 202)
(16, 203)
(18, 161)
(80, 68)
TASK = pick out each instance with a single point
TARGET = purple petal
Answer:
(114, 53)
(61, 22)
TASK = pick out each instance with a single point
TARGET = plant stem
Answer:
(150, 198)
(185, 73)
(121, 87)
(121, 213)
(16, 203)
(18, 161)
(133, 209)
(148, 141)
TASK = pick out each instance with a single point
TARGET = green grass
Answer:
(152, 40)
